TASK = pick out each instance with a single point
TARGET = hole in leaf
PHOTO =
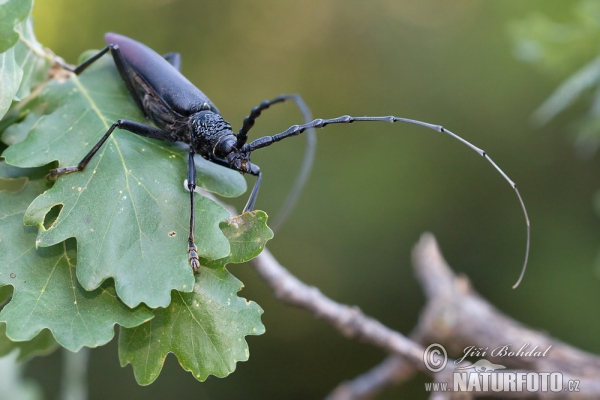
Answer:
(52, 216)
(5, 295)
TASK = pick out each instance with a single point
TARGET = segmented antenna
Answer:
(346, 119)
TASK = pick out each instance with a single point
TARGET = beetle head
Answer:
(239, 159)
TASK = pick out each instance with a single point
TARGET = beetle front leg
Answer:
(254, 194)
(254, 171)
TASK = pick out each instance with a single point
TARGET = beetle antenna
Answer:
(304, 172)
(346, 119)
(307, 161)
(528, 239)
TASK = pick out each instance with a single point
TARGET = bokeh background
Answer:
(375, 188)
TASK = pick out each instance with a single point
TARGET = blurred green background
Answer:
(375, 187)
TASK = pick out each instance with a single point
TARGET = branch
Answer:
(457, 317)
(351, 322)
(392, 371)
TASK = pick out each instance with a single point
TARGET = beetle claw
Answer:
(193, 257)
(55, 173)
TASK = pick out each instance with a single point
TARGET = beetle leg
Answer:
(191, 179)
(309, 153)
(121, 64)
(174, 59)
(81, 67)
(255, 171)
(254, 194)
(131, 126)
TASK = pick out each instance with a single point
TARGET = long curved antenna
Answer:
(305, 168)
(528, 239)
(307, 161)
(321, 123)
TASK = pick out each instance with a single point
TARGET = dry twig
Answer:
(455, 316)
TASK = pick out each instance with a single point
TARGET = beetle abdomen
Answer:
(175, 90)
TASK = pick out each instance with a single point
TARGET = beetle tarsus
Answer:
(193, 257)
(55, 173)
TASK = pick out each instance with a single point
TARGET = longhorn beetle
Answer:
(182, 113)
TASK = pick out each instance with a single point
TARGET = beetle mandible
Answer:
(180, 112)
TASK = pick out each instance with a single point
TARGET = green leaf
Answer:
(568, 91)
(222, 181)
(46, 294)
(205, 329)
(16, 133)
(11, 13)
(21, 119)
(41, 345)
(128, 210)
(31, 59)
(10, 79)
(558, 47)
(24, 65)
(12, 184)
(561, 47)
(9, 172)
(247, 235)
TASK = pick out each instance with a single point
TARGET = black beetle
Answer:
(181, 112)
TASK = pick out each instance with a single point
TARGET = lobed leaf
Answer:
(46, 294)
(205, 329)
(12, 12)
(128, 210)
(24, 65)
(247, 234)
(40, 345)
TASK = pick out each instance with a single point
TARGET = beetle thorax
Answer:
(208, 129)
